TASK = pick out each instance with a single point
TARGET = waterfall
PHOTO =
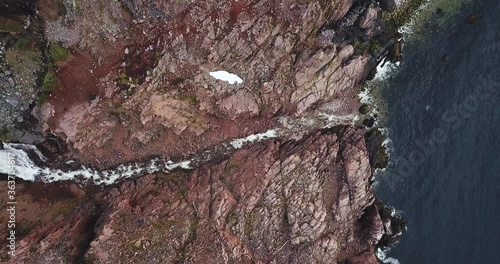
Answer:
(14, 160)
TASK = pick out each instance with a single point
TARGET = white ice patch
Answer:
(238, 143)
(226, 76)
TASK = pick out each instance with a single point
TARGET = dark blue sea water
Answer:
(444, 121)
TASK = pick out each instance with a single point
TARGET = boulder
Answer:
(369, 18)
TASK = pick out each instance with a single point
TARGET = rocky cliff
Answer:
(127, 80)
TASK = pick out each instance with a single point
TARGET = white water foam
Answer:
(24, 168)
(365, 97)
(382, 255)
(238, 143)
(333, 120)
(384, 69)
(387, 141)
(29, 147)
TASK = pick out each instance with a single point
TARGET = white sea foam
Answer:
(420, 17)
(385, 69)
(387, 141)
(226, 76)
(382, 255)
(365, 97)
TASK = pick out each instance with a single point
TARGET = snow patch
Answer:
(226, 76)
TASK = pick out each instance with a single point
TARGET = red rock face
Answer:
(140, 71)
(282, 201)
(151, 78)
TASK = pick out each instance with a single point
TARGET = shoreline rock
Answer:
(303, 197)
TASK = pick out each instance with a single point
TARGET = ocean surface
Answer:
(443, 119)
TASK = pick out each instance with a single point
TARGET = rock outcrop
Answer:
(156, 85)
(307, 201)
(135, 83)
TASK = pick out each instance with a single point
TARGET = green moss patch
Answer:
(117, 105)
(25, 61)
(124, 79)
(190, 98)
(24, 52)
(66, 207)
(10, 28)
(4, 134)
(58, 52)
(25, 44)
(49, 81)
(42, 99)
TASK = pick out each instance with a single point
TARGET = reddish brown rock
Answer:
(154, 89)
(137, 84)
(280, 201)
